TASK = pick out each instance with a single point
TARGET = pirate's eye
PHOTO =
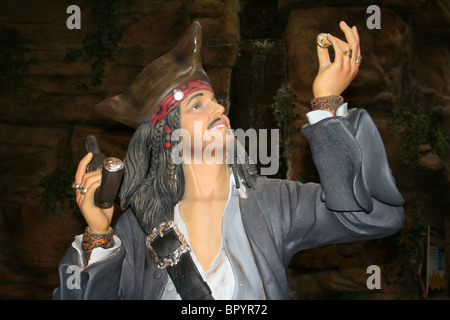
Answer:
(196, 106)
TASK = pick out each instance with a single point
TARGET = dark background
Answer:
(52, 77)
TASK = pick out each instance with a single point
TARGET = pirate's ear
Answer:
(137, 161)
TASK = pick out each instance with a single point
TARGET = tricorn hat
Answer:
(157, 80)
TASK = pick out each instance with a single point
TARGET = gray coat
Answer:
(356, 200)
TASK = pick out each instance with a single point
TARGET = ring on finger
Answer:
(349, 53)
(82, 190)
(75, 186)
(359, 60)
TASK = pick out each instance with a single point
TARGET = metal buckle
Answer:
(173, 258)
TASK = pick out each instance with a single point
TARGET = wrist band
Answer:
(95, 240)
(328, 103)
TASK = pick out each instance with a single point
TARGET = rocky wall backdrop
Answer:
(256, 53)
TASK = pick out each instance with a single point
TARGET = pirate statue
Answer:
(201, 230)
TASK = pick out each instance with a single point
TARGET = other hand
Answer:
(334, 77)
(99, 220)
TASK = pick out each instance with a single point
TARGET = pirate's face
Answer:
(202, 115)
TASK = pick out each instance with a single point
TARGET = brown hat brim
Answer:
(177, 67)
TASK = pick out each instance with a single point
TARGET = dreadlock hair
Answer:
(152, 183)
(241, 167)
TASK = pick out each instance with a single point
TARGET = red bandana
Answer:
(176, 97)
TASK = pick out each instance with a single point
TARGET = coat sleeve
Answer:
(308, 223)
(99, 281)
(350, 157)
(121, 275)
(356, 199)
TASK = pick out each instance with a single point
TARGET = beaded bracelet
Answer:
(94, 240)
(328, 103)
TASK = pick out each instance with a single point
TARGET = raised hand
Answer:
(99, 220)
(334, 77)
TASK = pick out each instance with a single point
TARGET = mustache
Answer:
(214, 122)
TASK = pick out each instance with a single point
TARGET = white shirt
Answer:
(218, 274)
